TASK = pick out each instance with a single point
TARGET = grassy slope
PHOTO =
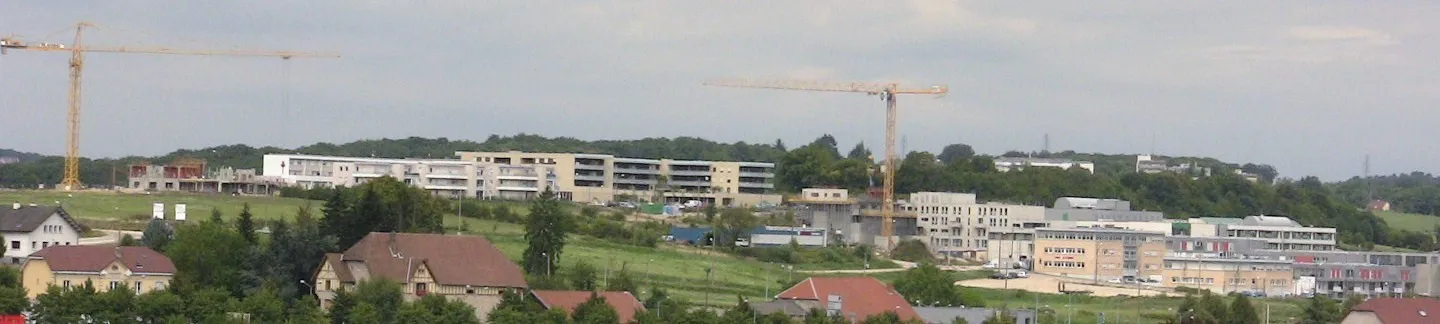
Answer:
(1409, 222)
(131, 211)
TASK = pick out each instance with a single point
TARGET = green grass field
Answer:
(115, 210)
(1088, 309)
(1408, 221)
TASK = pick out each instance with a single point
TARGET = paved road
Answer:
(111, 237)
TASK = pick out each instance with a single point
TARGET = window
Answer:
(470, 291)
(114, 284)
(327, 285)
(34, 245)
(65, 284)
(159, 285)
(15, 245)
(137, 287)
(420, 288)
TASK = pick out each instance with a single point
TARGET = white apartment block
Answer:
(957, 225)
(442, 178)
(1005, 164)
(599, 177)
(1282, 233)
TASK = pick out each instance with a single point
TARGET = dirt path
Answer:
(1051, 285)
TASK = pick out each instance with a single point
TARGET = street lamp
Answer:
(309, 290)
(547, 262)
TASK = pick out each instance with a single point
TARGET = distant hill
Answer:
(23, 156)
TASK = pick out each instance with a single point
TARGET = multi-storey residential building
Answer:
(957, 225)
(1343, 273)
(1099, 254)
(1282, 233)
(1005, 164)
(1095, 209)
(443, 178)
(597, 177)
(1229, 274)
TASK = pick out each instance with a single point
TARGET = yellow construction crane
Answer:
(71, 180)
(887, 93)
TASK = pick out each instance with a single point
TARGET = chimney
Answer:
(391, 244)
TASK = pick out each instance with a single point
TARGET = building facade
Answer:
(598, 177)
(195, 177)
(464, 268)
(443, 178)
(30, 228)
(1005, 164)
(1096, 209)
(1099, 254)
(1223, 275)
(956, 225)
(1282, 233)
(138, 268)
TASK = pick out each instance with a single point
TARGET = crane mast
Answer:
(77, 49)
(887, 93)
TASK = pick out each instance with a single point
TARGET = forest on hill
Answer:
(956, 168)
(1415, 192)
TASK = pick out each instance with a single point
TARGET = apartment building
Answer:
(443, 178)
(1096, 209)
(1099, 254)
(1005, 164)
(1341, 274)
(599, 177)
(957, 225)
(1281, 233)
(1224, 275)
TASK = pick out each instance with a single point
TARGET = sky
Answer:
(1309, 87)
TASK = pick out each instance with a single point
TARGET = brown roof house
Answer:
(465, 268)
(1378, 205)
(853, 297)
(1395, 311)
(30, 228)
(624, 304)
(138, 268)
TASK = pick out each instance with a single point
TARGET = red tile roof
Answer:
(1402, 310)
(452, 259)
(860, 296)
(624, 303)
(80, 258)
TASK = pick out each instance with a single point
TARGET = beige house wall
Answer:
(37, 278)
(1086, 252)
(1229, 277)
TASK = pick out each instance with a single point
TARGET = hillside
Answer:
(1415, 192)
(23, 156)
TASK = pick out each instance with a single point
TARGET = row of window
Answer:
(1063, 264)
(15, 245)
(947, 210)
(1064, 250)
(137, 285)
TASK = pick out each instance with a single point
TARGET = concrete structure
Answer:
(957, 225)
(1005, 164)
(1282, 233)
(442, 178)
(30, 228)
(1145, 163)
(138, 268)
(947, 315)
(1095, 209)
(849, 220)
(1394, 311)
(1099, 254)
(598, 177)
(766, 236)
(464, 268)
(195, 177)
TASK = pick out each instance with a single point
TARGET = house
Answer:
(459, 267)
(947, 315)
(138, 268)
(27, 229)
(1394, 311)
(1378, 205)
(854, 297)
(623, 302)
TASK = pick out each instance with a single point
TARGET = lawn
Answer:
(1088, 309)
(1408, 221)
(115, 210)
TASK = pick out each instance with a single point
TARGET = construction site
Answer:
(193, 175)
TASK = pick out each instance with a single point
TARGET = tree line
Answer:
(1415, 192)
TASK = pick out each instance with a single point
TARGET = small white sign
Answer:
(158, 212)
(179, 212)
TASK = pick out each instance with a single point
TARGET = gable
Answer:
(29, 218)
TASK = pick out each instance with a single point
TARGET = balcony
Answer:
(447, 175)
(589, 177)
(589, 166)
(757, 174)
(513, 188)
(637, 181)
(765, 185)
(446, 187)
(692, 173)
(690, 184)
(636, 170)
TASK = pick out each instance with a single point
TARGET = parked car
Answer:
(1020, 274)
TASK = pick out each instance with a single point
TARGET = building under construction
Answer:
(192, 175)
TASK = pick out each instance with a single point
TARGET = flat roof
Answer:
(1096, 230)
(1226, 260)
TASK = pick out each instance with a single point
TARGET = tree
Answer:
(437, 309)
(912, 251)
(955, 152)
(780, 145)
(64, 305)
(207, 305)
(545, 232)
(337, 214)
(734, 223)
(383, 296)
(307, 311)
(128, 240)
(514, 308)
(623, 282)
(294, 252)
(13, 299)
(1242, 312)
(582, 276)
(366, 314)
(264, 306)
(740, 313)
(216, 217)
(927, 285)
(595, 311)
(158, 235)
(859, 152)
(1320, 310)
(158, 305)
(246, 225)
(710, 211)
(209, 255)
(1002, 316)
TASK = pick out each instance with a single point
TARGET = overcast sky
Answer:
(1310, 87)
